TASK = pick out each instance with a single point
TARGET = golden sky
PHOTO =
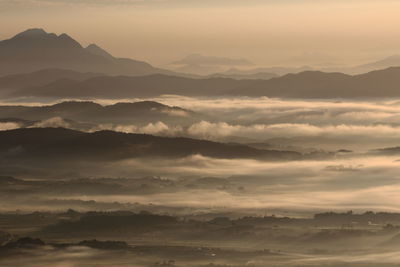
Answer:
(266, 32)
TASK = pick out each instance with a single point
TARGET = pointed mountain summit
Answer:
(96, 50)
(35, 49)
(36, 37)
(35, 32)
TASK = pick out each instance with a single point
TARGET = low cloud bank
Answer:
(338, 184)
(350, 136)
(354, 125)
(9, 126)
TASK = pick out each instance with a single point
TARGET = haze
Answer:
(199, 133)
(274, 32)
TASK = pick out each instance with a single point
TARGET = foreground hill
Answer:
(35, 49)
(309, 84)
(63, 144)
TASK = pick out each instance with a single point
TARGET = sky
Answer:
(264, 32)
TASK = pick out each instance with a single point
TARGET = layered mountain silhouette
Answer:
(278, 71)
(199, 64)
(10, 83)
(315, 84)
(65, 144)
(129, 86)
(309, 84)
(35, 49)
(392, 61)
(87, 111)
(58, 66)
(249, 76)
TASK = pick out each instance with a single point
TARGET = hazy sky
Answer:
(266, 32)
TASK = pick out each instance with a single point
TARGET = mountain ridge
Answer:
(61, 143)
(308, 84)
(89, 111)
(35, 49)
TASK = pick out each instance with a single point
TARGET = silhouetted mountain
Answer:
(198, 70)
(124, 86)
(41, 78)
(198, 64)
(314, 84)
(276, 70)
(24, 243)
(96, 50)
(251, 76)
(62, 143)
(36, 49)
(392, 61)
(199, 59)
(136, 112)
(309, 84)
(64, 109)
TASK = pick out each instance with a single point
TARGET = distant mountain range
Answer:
(308, 84)
(57, 66)
(392, 61)
(199, 64)
(277, 71)
(315, 84)
(245, 76)
(35, 49)
(12, 82)
(130, 86)
(60, 143)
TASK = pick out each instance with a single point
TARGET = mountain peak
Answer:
(32, 33)
(97, 50)
(93, 46)
(36, 49)
(65, 38)
(40, 34)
